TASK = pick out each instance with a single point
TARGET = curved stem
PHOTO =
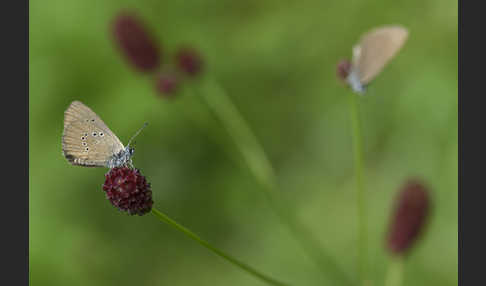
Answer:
(394, 275)
(161, 216)
(360, 195)
(259, 165)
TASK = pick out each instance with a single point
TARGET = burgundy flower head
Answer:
(410, 214)
(128, 190)
(167, 83)
(135, 43)
(189, 61)
(343, 68)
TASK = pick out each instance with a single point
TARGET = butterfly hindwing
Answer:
(87, 141)
(375, 49)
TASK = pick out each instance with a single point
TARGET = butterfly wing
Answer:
(86, 140)
(376, 49)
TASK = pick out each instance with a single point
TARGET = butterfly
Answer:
(374, 50)
(88, 142)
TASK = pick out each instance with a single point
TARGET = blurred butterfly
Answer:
(375, 49)
(87, 141)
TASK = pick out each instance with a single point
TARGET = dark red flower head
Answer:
(343, 69)
(167, 83)
(135, 43)
(128, 190)
(410, 214)
(189, 61)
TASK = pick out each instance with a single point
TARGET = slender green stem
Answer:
(360, 196)
(259, 165)
(161, 216)
(394, 276)
(224, 109)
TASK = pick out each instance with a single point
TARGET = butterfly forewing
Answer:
(87, 141)
(375, 49)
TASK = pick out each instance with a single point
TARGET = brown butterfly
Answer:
(87, 141)
(375, 49)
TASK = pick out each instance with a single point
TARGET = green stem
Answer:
(394, 276)
(161, 216)
(361, 198)
(256, 159)
(259, 164)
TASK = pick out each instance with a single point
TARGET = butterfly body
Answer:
(121, 158)
(374, 50)
(87, 141)
(355, 83)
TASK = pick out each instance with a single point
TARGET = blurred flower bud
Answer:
(167, 83)
(409, 216)
(189, 61)
(135, 43)
(128, 190)
(343, 69)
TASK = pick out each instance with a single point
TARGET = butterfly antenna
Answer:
(138, 132)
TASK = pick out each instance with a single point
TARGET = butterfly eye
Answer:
(94, 133)
(87, 149)
(83, 138)
(84, 143)
(101, 134)
(92, 120)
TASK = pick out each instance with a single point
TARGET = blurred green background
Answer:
(276, 60)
